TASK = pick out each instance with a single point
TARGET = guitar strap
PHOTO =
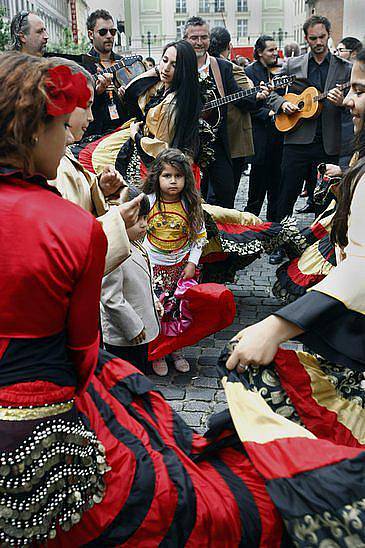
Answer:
(217, 75)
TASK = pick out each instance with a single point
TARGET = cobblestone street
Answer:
(197, 394)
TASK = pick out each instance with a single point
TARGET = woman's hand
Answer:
(139, 338)
(333, 171)
(129, 211)
(258, 344)
(111, 182)
(189, 271)
(134, 129)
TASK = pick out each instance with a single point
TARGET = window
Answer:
(272, 4)
(204, 6)
(218, 5)
(218, 23)
(242, 28)
(180, 6)
(241, 5)
(180, 29)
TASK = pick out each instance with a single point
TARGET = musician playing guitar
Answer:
(218, 177)
(107, 109)
(266, 163)
(318, 139)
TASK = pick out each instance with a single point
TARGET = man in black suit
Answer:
(268, 141)
(218, 180)
(316, 140)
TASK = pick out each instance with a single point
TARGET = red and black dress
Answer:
(96, 457)
(104, 455)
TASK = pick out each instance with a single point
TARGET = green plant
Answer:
(4, 29)
(67, 45)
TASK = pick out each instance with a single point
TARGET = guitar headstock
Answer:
(282, 81)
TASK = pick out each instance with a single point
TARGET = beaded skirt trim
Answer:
(34, 412)
(49, 480)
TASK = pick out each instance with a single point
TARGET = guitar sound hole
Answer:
(301, 105)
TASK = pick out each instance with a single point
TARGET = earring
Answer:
(34, 140)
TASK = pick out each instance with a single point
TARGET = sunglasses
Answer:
(104, 32)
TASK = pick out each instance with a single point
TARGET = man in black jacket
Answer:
(268, 141)
(107, 109)
(218, 179)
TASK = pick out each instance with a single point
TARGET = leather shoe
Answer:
(277, 256)
(306, 209)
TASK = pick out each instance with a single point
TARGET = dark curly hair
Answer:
(190, 194)
(350, 181)
(219, 41)
(144, 206)
(98, 14)
(316, 20)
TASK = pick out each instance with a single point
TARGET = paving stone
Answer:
(205, 382)
(208, 360)
(209, 351)
(220, 396)
(199, 394)
(192, 419)
(176, 405)
(208, 371)
(221, 406)
(172, 393)
(184, 379)
(192, 352)
(202, 406)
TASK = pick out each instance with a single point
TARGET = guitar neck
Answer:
(229, 98)
(110, 70)
(323, 95)
(279, 83)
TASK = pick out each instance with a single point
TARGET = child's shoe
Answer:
(160, 367)
(180, 363)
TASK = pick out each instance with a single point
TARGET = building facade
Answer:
(150, 24)
(55, 14)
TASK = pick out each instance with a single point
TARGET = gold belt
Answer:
(33, 413)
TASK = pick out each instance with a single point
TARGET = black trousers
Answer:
(238, 165)
(136, 355)
(265, 180)
(298, 160)
(218, 185)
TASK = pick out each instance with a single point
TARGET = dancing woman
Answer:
(170, 106)
(166, 101)
(324, 394)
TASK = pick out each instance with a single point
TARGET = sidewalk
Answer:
(195, 395)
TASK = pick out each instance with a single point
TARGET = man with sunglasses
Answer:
(107, 108)
(28, 33)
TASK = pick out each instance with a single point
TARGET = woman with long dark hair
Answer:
(169, 102)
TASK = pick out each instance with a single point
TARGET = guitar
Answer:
(214, 118)
(309, 104)
(125, 69)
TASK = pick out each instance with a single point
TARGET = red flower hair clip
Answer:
(65, 91)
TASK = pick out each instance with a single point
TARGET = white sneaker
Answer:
(180, 363)
(160, 367)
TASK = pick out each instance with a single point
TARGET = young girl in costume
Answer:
(176, 233)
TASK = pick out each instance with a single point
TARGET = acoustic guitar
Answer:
(211, 111)
(309, 106)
